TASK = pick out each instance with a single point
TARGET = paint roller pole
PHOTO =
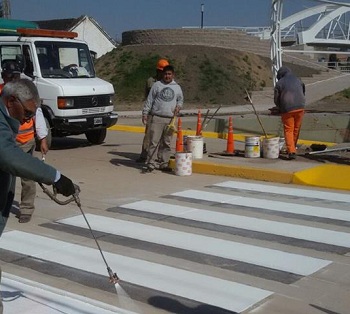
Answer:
(250, 100)
(212, 116)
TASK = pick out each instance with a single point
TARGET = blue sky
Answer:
(117, 16)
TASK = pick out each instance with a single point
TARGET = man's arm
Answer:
(14, 161)
(41, 130)
(40, 125)
(276, 96)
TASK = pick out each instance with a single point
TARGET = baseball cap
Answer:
(10, 67)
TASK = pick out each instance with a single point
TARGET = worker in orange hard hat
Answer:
(161, 64)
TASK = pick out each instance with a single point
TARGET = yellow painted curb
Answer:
(239, 171)
(327, 176)
(141, 129)
(127, 128)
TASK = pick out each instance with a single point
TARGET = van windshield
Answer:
(64, 60)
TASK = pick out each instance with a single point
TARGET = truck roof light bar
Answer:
(46, 33)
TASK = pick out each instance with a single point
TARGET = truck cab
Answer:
(74, 101)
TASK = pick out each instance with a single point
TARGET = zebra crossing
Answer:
(197, 246)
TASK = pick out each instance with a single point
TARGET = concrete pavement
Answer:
(326, 171)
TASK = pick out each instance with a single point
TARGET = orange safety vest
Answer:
(26, 132)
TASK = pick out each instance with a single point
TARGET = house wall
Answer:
(97, 42)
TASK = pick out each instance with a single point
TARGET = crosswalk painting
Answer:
(199, 226)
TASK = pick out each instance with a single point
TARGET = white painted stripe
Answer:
(265, 188)
(202, 288)
(247, 223)
(30, 297)
(288, 262)
(315, 211)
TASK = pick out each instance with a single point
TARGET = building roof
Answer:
(70, 24)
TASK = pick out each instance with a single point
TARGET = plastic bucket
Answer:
(271, 147)
(195, 146)
(252, 147)
(183, 164)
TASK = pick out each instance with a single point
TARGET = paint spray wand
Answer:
(113, 277)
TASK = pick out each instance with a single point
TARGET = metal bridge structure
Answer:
(328, 33)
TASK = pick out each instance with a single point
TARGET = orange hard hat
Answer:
(161, 64)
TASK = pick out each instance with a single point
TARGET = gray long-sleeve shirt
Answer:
(289, 92)
(15, 162)
(162, 99)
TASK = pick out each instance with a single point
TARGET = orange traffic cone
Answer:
(179, 138)
(230, 142)
(199, 124)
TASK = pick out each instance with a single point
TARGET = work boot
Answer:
(148, 169)
(292, 156)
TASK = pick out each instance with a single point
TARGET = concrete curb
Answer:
(239, 171)
(324, 176)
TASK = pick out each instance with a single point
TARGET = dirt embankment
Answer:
(209, 76)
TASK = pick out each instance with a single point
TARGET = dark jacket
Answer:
(16, 163)
(289, 92)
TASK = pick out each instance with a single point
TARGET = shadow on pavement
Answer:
(68, 143)
(336, 159)
(127, 159)
(174, 306)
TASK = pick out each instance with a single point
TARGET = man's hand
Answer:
(64, 186)
(144, 119)
(177, 110)
(44, 148)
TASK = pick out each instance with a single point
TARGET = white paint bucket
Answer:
(271, 147)
(195, 146)
(282, 144)
(183, 164)
(252, 147)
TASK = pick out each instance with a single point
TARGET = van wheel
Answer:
(48, 137)
(96, 136)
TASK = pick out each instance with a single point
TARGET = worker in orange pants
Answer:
(289, 98)
(292, 124)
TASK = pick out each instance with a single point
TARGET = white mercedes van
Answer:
(74, 100)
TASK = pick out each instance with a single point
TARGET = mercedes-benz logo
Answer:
(94, 101)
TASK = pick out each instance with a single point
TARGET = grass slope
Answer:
(209, 76)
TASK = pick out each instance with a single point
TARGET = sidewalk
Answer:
(312, 170)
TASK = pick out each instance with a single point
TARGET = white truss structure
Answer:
(329, 29)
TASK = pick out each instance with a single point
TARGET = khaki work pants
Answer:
(160, 142)
(28, 191)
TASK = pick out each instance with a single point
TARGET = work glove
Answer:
(65, 186)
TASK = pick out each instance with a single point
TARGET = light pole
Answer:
(202, 14)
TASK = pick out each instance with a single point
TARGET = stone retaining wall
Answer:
(205, 37)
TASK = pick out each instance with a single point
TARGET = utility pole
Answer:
(5, 9)
(202, 14)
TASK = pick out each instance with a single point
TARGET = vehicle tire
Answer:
(96, 136)
(48, 137)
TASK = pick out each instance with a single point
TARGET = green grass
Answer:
(346, 93)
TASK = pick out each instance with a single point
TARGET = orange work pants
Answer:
(291, 125)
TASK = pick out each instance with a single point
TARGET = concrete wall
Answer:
(233, 39)
(315, 127)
